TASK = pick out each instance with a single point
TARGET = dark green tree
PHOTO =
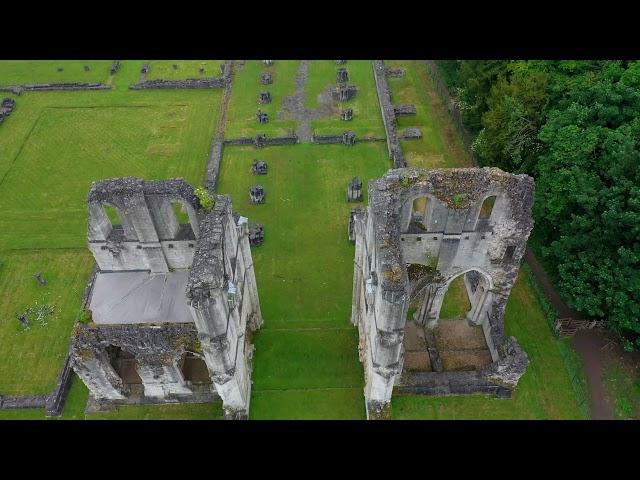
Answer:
(476, 77)
(588, 193)
(516, 111)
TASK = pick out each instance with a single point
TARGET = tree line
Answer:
(575, 127)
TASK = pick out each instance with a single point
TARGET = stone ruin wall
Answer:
(221, 293)
(267, 141)
(455, 241)
(17, 89)
(388, 114)
(223, 264)
(150, 237)
(189, 83)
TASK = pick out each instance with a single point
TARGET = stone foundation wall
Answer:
(388, 114)
(55, 86)
(22, 401)
(190, 83)
(328, 139)
(287, 140)
(404, 110)
(323, 139)
(217, 145)
(55, 400)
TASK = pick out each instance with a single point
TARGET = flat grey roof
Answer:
(139, 297)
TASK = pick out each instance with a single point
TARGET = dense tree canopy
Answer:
(574, 126)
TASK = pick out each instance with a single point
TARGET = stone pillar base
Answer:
(378, 410)
(231, 414)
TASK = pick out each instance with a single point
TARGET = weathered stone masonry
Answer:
(210, 319)
(189, 83)
(450, 237)
(388, 114)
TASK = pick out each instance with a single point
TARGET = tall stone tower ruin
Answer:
(173, 302)
(421, 231)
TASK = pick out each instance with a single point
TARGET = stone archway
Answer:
(458, 343)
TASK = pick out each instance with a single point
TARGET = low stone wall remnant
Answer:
(6, 107)
(189, 83)
(388, 114)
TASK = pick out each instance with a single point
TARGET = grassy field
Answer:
(306, 361)
(32, 358)
(366, 109)
(243, 106)
(440, 145)
(186, 69)
(623, 386)
(51, 149)
(15, 72)
(304, 267)
(56, 143)
(456, 300)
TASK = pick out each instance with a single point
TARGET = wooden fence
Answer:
(567, 327)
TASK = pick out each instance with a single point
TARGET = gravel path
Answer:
(293, 106)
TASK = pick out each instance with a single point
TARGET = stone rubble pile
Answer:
(7, 106)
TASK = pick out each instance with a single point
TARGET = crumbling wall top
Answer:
(458, 188)
(207, 271)
(105, 191)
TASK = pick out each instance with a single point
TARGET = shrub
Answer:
(206, 200)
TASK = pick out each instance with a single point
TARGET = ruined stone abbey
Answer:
(173, 305)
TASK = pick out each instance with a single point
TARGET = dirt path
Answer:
(588, 343)
(547, 287)
(293, 106)
(590, 346)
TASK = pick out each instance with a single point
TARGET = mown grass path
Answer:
(306, 359)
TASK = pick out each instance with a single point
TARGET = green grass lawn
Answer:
(32, 358)
(186, 69)
(623, 385)
(299, 359)
(306, 360)
(440, 145)
(15, 72)
(456, 300)
(243, 106)
(317, 404)
(365, 105)
(58, 143)
(304, 267)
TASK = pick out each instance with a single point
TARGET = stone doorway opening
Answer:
(194, 370)
(455, 343)
(124, 364)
